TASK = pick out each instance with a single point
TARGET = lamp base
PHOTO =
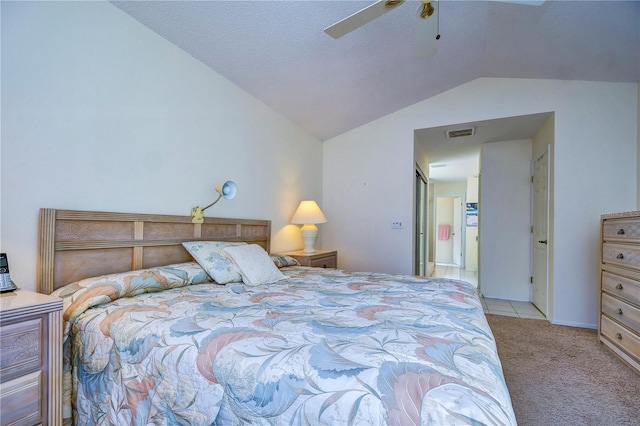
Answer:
(309, 234)
(196, 214)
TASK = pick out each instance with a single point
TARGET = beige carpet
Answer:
(563, 376)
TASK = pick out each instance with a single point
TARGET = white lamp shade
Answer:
(308, 212)
(227, 190)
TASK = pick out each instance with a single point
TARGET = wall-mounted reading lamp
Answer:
(226, 190)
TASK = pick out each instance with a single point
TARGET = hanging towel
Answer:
(443, 232)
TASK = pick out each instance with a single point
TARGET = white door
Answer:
(456, 232)
(540, 232)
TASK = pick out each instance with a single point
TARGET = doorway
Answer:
(503, 250)
(448, 230)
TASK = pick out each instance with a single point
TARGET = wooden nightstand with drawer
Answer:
(318, 259)
(619, 328)
(30, 359)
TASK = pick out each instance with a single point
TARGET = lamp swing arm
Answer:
(204, 208)
(226, 190)
(197, 211)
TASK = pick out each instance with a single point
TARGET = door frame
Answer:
(463, 228)
(421, 227)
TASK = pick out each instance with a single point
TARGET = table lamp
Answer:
(308, 214)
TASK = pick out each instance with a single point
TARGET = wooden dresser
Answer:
(619, 327)
(319, 259)
(30, 359)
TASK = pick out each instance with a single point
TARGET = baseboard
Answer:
(575, 324)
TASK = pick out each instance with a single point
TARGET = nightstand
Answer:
(30, 358)
(319, 259)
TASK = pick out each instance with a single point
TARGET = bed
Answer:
(150, 338)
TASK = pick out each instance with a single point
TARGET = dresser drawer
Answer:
(621, 312)
(621, 287)
(621, 230)
(621, 254)
(30, 359)
(317, 259)
(621, 336)
(324, 262)
(20, 400)
(20, 350)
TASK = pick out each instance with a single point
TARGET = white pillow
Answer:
(208, 255)
(254, 264)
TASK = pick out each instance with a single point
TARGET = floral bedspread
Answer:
(323, 347)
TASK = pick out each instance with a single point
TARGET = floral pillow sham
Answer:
(208, 255)
(282, 260)
(254, 264)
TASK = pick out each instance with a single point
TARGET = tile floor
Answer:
(509, 308)
(456, 273)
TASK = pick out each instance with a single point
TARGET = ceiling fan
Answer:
(427, 30)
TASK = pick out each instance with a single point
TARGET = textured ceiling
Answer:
(278, 52)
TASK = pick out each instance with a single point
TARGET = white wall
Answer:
(450, 188)
(505, 219)
(100, 113)
(1, 68)
(368, 174)
(362, 200)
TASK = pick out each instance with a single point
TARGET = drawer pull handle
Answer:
(620, 256)
(619, 311)
(619, 286)
(620, 231)
(618, 336)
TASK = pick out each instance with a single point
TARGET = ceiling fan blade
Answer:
(426, 32)
(360, 18)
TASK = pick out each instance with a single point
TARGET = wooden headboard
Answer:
(80, 244)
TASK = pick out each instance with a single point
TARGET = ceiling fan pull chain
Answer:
(438, 23)
(426, 12)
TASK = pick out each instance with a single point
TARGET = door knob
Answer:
(542, 241)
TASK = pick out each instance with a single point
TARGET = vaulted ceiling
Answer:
(278, 52)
